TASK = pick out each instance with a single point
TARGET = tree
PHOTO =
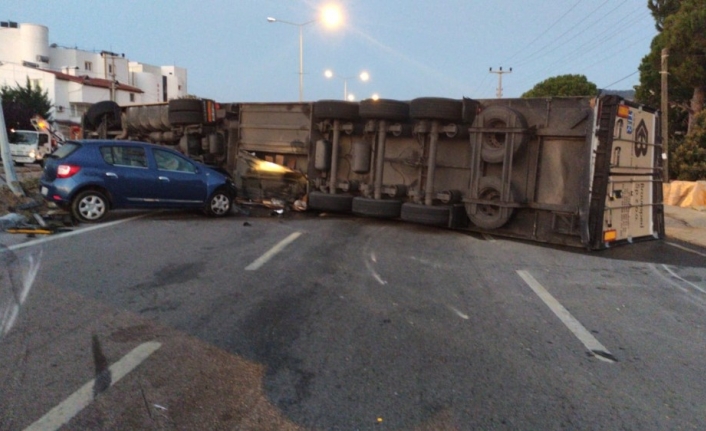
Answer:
(563, 85)
(685, 36)
(21, 103)
(661, 9)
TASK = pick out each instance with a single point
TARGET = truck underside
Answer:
(583, 172)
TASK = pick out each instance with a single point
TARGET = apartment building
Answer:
(75, 78)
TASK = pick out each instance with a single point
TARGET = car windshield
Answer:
(23, 137)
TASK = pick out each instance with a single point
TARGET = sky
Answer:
(410, 48)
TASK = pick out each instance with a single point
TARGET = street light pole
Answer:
(301, 50)
(364, 76)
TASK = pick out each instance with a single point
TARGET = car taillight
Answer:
(66, 171)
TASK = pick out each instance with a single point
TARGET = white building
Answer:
(74, 79)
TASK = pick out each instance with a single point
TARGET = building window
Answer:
(88, 65)
(78, 109)
(132, 97)
(36, 83)
(110, 68)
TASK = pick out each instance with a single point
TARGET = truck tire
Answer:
(384, 109)
(185, 105)
(436, 108)
(491, 216)
(338, 203)
(336, 110)
(185, 117)
(501, 117)
(425, 214)
(106, 109)
(381, 208)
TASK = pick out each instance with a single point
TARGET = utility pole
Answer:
(10, 175)
(499, 92)
(665, 113)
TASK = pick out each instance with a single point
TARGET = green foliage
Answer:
(21, 103)
(688, 161)
(685, 36)
(563, 85)
(661, 9)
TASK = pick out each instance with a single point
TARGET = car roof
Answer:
(113, 142)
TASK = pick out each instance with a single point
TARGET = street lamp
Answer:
(330, 16)
(364, 76)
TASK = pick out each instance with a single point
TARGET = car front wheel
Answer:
(89, 206)
(219, 204)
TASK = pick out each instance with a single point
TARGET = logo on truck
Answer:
(641, 139)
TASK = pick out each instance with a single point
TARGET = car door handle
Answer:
(163, 179)
(111, 174)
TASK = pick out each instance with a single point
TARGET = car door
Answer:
(128, 176)
(181, 182)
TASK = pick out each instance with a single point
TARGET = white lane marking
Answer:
(272, 252)
(64, 412)
(376, 276)
(73, 232)
(675, 275)
(458, 313)
(592, 344)
(685, 248)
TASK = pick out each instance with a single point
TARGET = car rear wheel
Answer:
(219, 204)
(89, 206)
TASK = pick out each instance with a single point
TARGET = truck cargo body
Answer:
(583, 171)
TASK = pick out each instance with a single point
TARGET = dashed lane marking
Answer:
(592, 344)
(64, 412)
(272, 252)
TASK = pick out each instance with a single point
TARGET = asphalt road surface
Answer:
(177, 321)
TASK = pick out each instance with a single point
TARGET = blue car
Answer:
(91, 177)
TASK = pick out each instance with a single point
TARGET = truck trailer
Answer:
(575, 171)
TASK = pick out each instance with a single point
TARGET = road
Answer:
(175, 321)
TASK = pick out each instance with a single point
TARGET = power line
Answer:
(620, 80)
(531, 56)
(545, 31)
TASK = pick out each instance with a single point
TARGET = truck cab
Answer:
(30, 146)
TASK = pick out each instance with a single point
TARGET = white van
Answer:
(30, 146)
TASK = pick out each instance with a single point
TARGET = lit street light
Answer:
(330, 16)
(364, 76)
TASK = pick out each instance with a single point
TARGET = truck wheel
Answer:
(219, 204)
(425, 214)
(106, 109)
(490, 216)
(336, 110)
(89, 206)
(501, 117)
(382, 208)
(185, 117)
(384, 109)
(185, 105)
(436, 108)
(327, 202)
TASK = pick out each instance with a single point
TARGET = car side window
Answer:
(124, 156)
(167, 161)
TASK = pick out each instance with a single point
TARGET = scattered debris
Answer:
(247, 224)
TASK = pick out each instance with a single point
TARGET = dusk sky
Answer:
(411, 48)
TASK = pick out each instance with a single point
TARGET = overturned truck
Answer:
(579, 171)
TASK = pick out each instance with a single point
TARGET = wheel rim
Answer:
(91, 207)
(220, 204)
(491, 211)
(496, 139)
